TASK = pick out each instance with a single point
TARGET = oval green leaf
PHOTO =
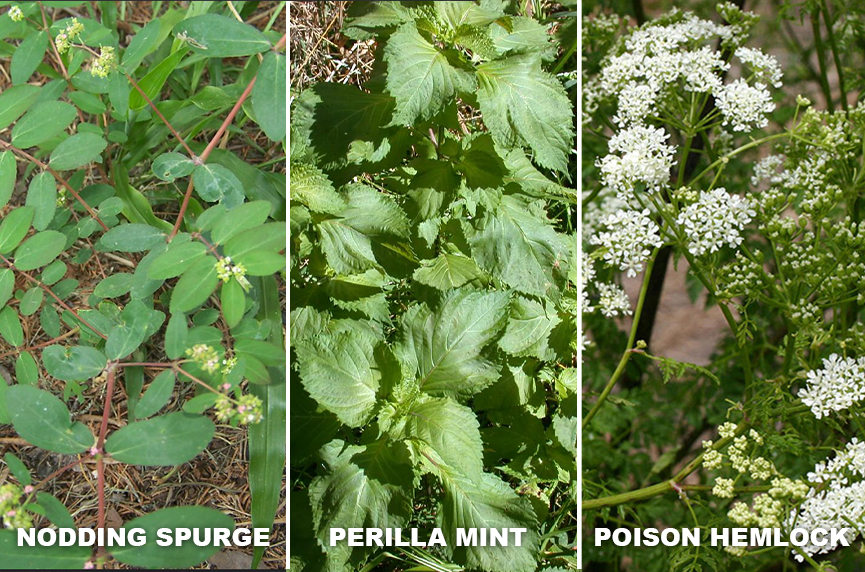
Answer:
(43, 420)
(77, 151)
(75, 363)
(42, 122)
(42, 196)
(218, 36)
(132, 238)
(170, 166)
(166, 440)
(14, 227)
(195, 286)
(39, 250)
(156, 396)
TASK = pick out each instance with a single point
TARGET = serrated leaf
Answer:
(339, 373)
(362, 487)
(488, 503)
(444, 346)
(420, 78)
(311, 187)
(43, 420)
(447, 271)
(39, 250)
(347, 240)
(76, 363)
(524, 106)
(517, 244)
(77, 151)
(528, 329)
(164, 441)
(451, 430)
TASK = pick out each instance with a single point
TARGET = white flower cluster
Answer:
(715, 220)
(765, 67)
(630, 239)
(743, 105)
(766, 169)
(638, 154)
(839, 385)
(15, 13)
(613, 301)
(833, 502)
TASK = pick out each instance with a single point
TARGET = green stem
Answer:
(821, 59)
(726, 158)
(626, 356)
(835, 55)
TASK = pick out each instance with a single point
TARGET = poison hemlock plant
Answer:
(140, 261)
(433, 311)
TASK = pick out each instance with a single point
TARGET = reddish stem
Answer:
(71, 332)
(51, 41)
(100, 463)
(144, 364)
(162, 117)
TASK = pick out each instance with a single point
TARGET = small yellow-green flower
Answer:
(205, 356)
(15, 13)
(63, 41)
(105, 63)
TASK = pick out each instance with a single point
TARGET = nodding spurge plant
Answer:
(433, 309)
(140, 257)
(766, 217)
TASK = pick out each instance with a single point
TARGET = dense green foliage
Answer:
(433, 320)
(139, 255)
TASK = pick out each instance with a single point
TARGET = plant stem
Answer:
(835, 55)
(100, 462)
(162, 117)
(626, 355)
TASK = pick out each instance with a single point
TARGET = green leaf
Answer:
(233, 302)
(311, 427)
(523, 36)
(517, 244)
(114, 286)
(311, 187)
(55, 557)
(76, 363)
(267, 353)
(157, 395)
(217, 36)
(142, 44)
(14, 227)
(39, 250)
(28, 56)
(152, 83)
(244, 217)
(528, 329)
(132, 238)
(18, 469)
(44, 421)
(488, 503)
(270, 236)
(77, 151)
(170, 166)
(125, 337)
(7, 285)
(420, 78)
(176, 260)
(175, 336)
(15, 101)
(56, 511)
(26, 369)
(338, 371)
(444, 346)
(195, 286)
(151, 555)
(10, 327)
(524, 106)
(269, 97)
(8, 174)
(31, 301)
(166, 440)
(451, 431)
(447, 271)
(214, 182)
(370, 218)
(362, 487)
(43, 122)
(42, 196)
